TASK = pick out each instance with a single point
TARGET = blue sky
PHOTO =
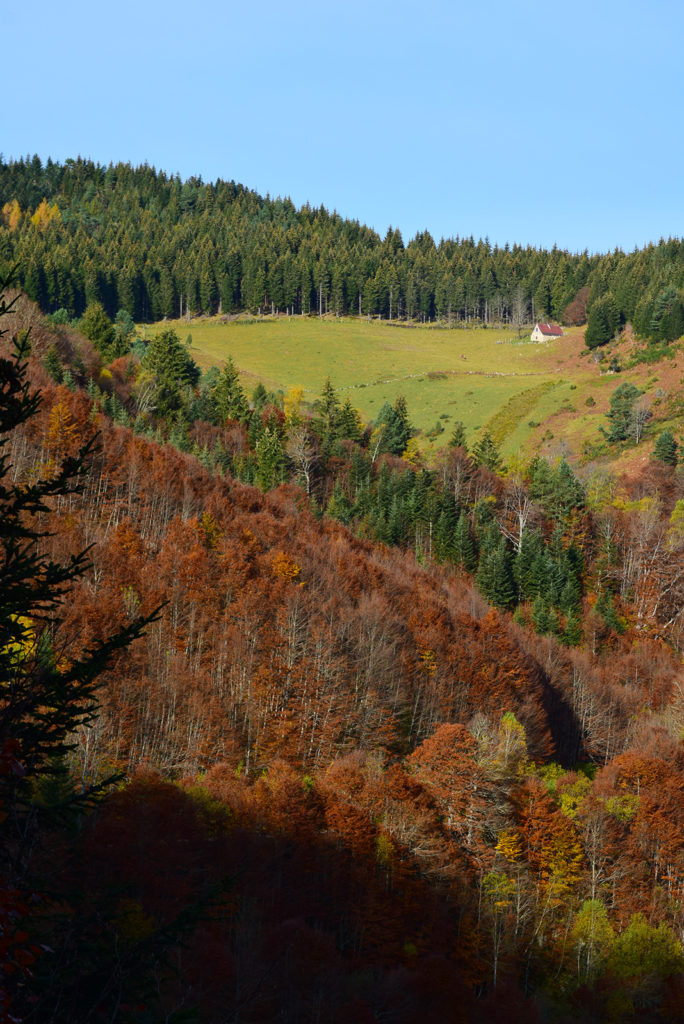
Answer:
(525, 122)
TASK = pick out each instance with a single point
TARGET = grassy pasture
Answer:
(484, 377)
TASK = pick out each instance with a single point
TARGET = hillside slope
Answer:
(355, 789)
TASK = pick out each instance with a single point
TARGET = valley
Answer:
(341, 656)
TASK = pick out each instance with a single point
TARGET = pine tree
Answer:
(666, 449)
(567, 493)
(124, 332)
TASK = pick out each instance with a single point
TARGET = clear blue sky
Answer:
(523, 121)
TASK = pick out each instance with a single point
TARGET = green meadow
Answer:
(486, 378)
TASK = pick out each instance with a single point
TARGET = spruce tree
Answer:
(540, 579)
(403, 427)
(329, 417)
(228, 397)
(603, 322)
(572, 634)
(503, 591)
(531, 546)
(667, 319)
(173, 367)
(458, 436)
(464, 551)
(495, 570)
(485, 453)
(350, 426)
(666, 449)
(53, 364)
(339, 506)
(97, 326)
(541, 616)
(445, 531)
(270, 459)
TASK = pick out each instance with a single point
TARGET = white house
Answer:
(546, 332)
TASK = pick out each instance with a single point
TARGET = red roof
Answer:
(551, 329)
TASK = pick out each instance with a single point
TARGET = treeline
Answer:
(139, 240)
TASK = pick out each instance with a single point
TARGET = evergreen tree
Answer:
(541, 575)
(395, 522)
(485, 453)
(541, 615)
(567, 493)
(173, 367)
(495, 578)
(350, 426)
(524, 566)
(603, 322)
(97, 326)
(667, 318)
(124, 331)
(666, 449)
(621, 412)
(570, 596)
(606, 608)
(390, 436)
(270, 459)
(464, 550)
(259, 398)
(403, 427)
(445, 531)
(329, 412)
(227, 395)
(503, 591)
(458, 436)
(572, 634)
(53, 364)
(541, 481)
(339, 507)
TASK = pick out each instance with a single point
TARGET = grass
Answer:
(519, 407)
(485, 377)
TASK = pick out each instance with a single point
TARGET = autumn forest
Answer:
(295, 724)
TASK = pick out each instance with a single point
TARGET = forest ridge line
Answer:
(158, 247)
